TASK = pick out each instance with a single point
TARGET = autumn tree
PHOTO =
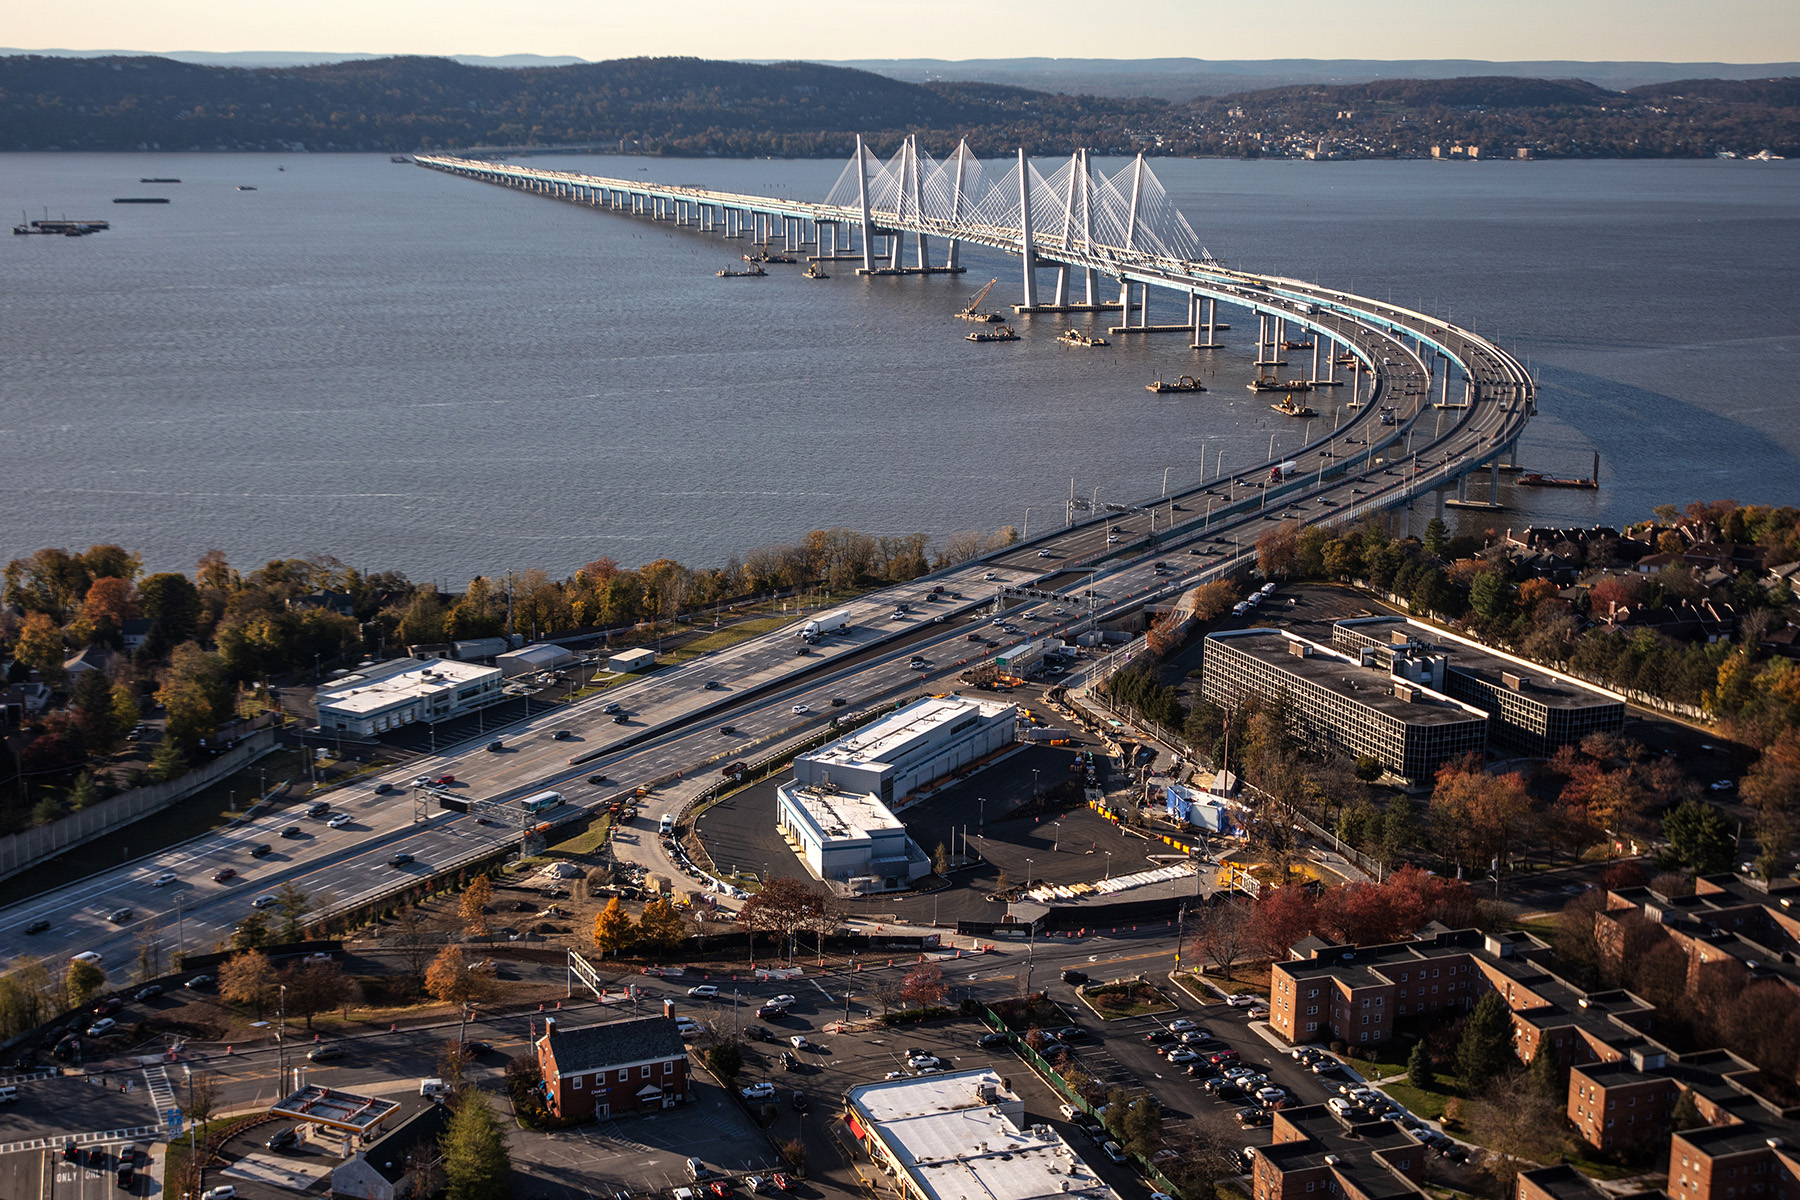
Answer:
(661, 926)
(1280, 917)
(1222, 933)
(474, 905)
(195, 692)
(925, 985)
(783, 906)
(1277, 550)
(613, 929)
(249, 979)
(82, 982)
(449, 979)
(1478, 818)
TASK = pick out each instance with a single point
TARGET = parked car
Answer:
(781, 1181)
(759, 1091)
(1258, 1012)
(198, 982)
(705, 991)
(1112, 1148)
(150, 992)
(1249, 1118)
(1183, 1056)
(102, 1026)
(108, 1006)
(992, 1041)
(281, 1139)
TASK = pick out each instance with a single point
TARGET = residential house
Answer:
(636, 1064)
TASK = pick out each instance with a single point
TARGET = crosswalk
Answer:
(129, 1134)
(162, 1092)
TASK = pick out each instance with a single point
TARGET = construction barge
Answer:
(1074, 337)
(1003, 334)
(1279, 385)
(1539, 479)
(62, 227)
(1187, 383)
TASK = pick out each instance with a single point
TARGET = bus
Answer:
(542, 802)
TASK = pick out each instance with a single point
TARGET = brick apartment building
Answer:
(1624, 1083)
(1318, 1154)
(632, 1065)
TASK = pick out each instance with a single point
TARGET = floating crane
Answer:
(970, 313)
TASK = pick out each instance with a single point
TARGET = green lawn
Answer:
(586, 841)
(730, 635)
(1419, 1102)
(200, 813)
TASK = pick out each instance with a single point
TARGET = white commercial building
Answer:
(962, 1136)
(922, 742)
(848, 837)
(401, 691)
(627, 661)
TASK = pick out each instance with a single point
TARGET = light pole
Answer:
(1203, 442)
(1166, 476)
(1108, 864)
(981, 814)
(1025, 533)
(1028, 874)
(1034, 784)
(1094, 502)
(1217, 460)
(1271, 447)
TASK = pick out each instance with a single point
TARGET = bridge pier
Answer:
(1209, 342)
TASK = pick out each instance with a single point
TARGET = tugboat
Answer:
(1003, 334)
(246, 187)
(1187, 383)
(1538, 479)
(1074, 337)
(815, 271)
(1294, 408)
(398, 158)
(755, 269)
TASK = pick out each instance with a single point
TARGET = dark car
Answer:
(382, 789)
(1074, 977)
(119, 916)
(150, 992)
(757, 1033)
(1251, 1117)
(599, 780)
(476, 1049)
(1157, 1037)
(800, 1102)
(109, 1006)
(292, 831)
(96, 1158)
(37, 926)
(620, 719)
(324, 1053)
(769, 1012)
(563, 735)
(992, 1041)
(788, 1061)
(400, 860)
(281, 1139)
(728, 730)
(1069, 1033)
(495, 746)
(71, 1153)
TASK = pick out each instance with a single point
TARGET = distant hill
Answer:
(1186, 78)
(295, 58)
(688, 106)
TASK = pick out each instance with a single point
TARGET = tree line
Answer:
(219, 637)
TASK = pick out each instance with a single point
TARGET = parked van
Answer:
(8, 1094)
(667, 824)
(87, 956)
(435, 1088)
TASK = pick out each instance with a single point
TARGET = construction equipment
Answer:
(969, 313)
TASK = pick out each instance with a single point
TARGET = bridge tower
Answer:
(1027, 247)
(862, 195)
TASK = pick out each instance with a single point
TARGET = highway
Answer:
(769, 692)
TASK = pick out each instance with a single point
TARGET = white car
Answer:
(1043, 554)
(338, 821)
(991, 575)
(896, 1075)
(922, 1060)
(1183, 1056)
(1113, 1152)
(165, 879)
(1182, 1025)
(799, 1042)
(759, 1091)
(801, 710)
(705, 991)
(103, 1025)
(1059, 612)
(265, 902)
(1242, 1000)
(1111, 539)
(784, 999)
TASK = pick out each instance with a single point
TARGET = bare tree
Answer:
(1222, 933)
(415, 944)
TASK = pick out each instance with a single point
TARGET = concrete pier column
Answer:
(1494, 480)
(1440, 503)
(1062, 285)
(1331, 357)
(1462, 487)
(1444, 395)
(1316, 339)
(1027, 247)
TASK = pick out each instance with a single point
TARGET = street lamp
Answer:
(1094, 501)
(1025, 533)
(981, 814)
(1166, 477)
(1271, 446)
(1108, 864)
(1028, 874)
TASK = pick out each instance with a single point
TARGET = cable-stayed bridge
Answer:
(1432, 402)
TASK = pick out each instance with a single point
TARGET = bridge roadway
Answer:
(770, 694)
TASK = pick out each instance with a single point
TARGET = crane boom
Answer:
(980, 296)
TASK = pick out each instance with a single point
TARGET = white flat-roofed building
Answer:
(627, 661)
(962, 1136)
(403, 691)
(848, 837)
(901, 753)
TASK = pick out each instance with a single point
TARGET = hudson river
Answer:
(412, 371)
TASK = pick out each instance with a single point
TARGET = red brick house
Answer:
(632, 1065)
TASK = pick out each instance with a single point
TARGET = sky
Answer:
(1731, 31)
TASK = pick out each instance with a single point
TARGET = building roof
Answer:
(338, 1110)
(387, 1156)
(887, 740)
(953, 1137)
(1341, 675)
(613, 1043)
(373, 689)
(841, 815)
(1541, 683)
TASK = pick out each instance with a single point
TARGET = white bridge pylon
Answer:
(1076, 211)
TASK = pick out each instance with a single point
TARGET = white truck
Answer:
(831, 622)
(1281, 471)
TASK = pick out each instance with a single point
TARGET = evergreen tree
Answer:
(169, 761)
(1485, 1051)
(476, 1163)
(1547, 1077)
(1437, 537)
(1418, 1069)
(1686, 1113)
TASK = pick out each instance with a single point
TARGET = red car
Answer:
(224, 874)
(781, 1181)
(444, 780)
(719, 1188)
